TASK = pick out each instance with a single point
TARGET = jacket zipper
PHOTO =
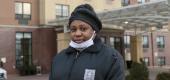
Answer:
(77, 54)
(75, 58)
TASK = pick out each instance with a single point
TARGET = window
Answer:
(115, 42)
(127, 41)
(160, 42)
(103, 39)
(22, 10)
(109, 1)
(112, 41)
(145, 41)
(146, 61)
(23, 49)
(62, 10)
(161, 61)
(87, 0)
(142, 1)
(153, 0)
(125, 2)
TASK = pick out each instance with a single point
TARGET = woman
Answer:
(86, 58)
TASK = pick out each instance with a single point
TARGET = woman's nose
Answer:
(78, 33)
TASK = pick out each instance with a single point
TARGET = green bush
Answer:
(163, 76)
(138, 71)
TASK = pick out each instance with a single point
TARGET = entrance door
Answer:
(23, 50)
(116, 43)
(114, 38)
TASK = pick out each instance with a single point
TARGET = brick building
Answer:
(22, 39)
(29, 34)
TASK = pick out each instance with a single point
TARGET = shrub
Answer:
(163, 76)
(138, 71)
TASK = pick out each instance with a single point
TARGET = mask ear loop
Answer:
(94, 35)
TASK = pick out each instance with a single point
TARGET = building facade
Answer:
(27, 38)
(55, 9)
(155, 48)
(23, 41)
(155, 43)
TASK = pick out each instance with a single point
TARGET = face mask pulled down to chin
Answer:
(84, 44)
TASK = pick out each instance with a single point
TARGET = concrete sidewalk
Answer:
(153, 71)
(156, 70)
(152, 75)
(33, 77)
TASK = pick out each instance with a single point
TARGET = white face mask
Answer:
(84, 44)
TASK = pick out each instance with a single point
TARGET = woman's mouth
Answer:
(78, 41)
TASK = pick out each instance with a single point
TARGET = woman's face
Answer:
(80, 31)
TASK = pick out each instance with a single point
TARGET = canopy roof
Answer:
(140, 17)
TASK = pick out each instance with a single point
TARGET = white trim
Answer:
(23, 26)
(18, 26)
(139, 17)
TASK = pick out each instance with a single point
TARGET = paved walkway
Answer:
(152, 71)
(34, 77)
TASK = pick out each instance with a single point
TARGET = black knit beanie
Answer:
(86, 13)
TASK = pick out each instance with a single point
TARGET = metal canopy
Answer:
(140, 17)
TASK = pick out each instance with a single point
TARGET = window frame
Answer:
(141, 1)
(160, 60)
(161, 42)
(103, 39)
(61, 10)
(21, 16)
(112, 44)
(126, 39)
(125, 2)
(145, 45)
(146, 63)
(109, 1)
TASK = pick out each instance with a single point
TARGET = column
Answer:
(169, 19)
(65, 28)
(63, 40)
(136, 48)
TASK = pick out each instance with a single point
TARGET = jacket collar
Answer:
(92, 49)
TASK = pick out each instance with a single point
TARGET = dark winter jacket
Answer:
(97, 62)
